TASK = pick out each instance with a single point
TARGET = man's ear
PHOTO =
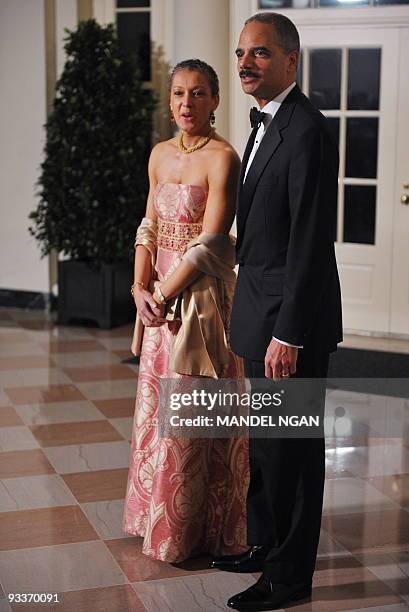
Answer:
(293, 59)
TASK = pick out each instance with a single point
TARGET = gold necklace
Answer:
(202, 142)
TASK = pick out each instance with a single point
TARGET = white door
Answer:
(400, 269)
(352, 75)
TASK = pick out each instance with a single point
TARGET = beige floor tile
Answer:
(350, 495)
(344, 584)
(4, 398)
(59, 333)
(22, 349)
(85, 359)
(393, 345)
(86, 457)
(116, 408)
(68, 332)
(391, 608)
(26, 362)
(208, 592)
(395, 486)
(110, 389)
(106, 518)
(123, 331)
(112, 371)
(59, 412)
(24, 463)
(386, 530)
(28, 492)
(327, 547)
(16, 438)
(44, 527)
(72, 346)
(370, 461)
(59, 568)
(44, 394)
(392, 568)
(9, 417)
(120, 598)
(98, 485)
(138, 567)
(117, 344)
(86, 432)
(33, 377)
(11, 335)
(124, 426)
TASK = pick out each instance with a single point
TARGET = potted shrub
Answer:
(93, 183)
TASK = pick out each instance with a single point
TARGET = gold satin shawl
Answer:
(201, 345)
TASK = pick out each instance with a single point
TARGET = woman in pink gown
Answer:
(185, 497)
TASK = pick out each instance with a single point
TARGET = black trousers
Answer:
(284, 501)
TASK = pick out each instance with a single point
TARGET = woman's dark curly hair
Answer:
(198, 65)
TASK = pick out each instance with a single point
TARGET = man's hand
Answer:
(280, 360)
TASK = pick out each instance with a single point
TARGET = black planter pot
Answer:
(97, 292)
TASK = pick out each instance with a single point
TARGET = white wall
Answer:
(22, 115)
(201, 30)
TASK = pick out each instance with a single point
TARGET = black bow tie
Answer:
(256, 117)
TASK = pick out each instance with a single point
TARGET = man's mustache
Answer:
(247, 73)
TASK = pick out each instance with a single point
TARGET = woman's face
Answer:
(191, 101)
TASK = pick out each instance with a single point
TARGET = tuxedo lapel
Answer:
(268, 146)
(245, 159)
(271, 140)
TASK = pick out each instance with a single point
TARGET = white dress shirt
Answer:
(270, 110)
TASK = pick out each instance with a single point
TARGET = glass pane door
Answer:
(351, 75)
(344, 83)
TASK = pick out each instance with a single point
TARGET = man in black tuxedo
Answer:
(286, 316)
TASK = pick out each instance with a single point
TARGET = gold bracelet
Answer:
(139, 283)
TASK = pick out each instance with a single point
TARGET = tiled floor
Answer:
(66, 408)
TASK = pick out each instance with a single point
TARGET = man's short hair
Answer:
(286, 32)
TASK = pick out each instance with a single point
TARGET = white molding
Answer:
(104, 11)
(384, 17)
(162, 26)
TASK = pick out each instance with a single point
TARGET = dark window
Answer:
(359, 214)
(325, 78)
(362, 147)
(364, 70)
(132, 3)
(134, 36)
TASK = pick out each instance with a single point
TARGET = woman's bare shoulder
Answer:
(163, 147)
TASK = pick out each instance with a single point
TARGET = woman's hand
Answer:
(151, 314)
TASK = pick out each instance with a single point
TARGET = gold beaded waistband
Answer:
(175, 236)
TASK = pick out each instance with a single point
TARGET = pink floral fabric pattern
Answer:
(185, 497)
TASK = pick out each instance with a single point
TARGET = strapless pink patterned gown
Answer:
(185, 497)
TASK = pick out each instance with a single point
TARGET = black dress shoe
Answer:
(250, 561)
(266, 595)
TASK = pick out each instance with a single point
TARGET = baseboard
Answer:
(31, 300)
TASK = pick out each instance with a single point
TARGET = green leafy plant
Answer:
(93, 184)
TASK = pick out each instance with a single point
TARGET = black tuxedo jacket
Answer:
(287, 283)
